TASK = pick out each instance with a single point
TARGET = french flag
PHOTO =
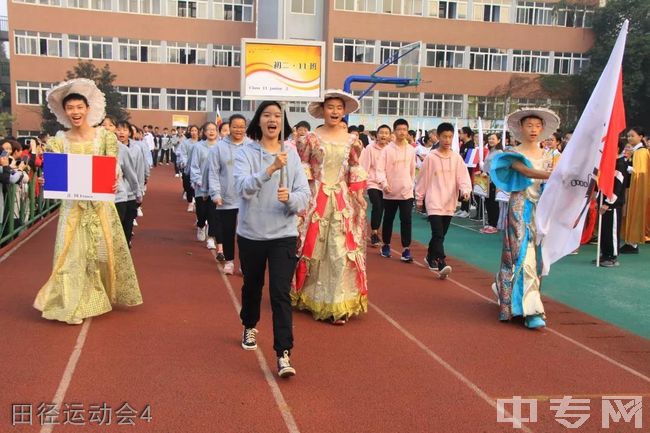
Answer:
(471, 158)
(79, 177)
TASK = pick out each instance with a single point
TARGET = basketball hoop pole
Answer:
(347, 85)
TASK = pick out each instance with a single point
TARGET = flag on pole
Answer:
(607, 168)
(563, 207)
(504, 132)
(218, 120)
(481, 145)
(79, 177)
(455, 141)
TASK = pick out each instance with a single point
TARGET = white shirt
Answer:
(148, 140)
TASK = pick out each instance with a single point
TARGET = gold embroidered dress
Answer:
(331, 272)
(92, 268)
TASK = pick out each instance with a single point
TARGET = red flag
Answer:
(610, 150)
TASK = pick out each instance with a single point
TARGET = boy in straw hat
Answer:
(520, 171)
(92, 264)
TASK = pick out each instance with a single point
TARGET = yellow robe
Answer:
(636, 226)
(92, 267)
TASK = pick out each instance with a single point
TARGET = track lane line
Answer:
(551, 330)
(70, 368)
(280, 401)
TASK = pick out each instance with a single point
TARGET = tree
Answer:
(636, 62)
(104, 79)
(6, 119)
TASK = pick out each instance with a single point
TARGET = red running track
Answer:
(429, 356)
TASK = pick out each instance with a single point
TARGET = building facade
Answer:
(478, 57)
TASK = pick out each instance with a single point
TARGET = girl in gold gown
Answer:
(92, 267)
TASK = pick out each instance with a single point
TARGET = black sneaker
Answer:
(430, 263)
(610, 263)
(249, 339)
(374, 240)
(629, 249)
(443, 269)
(284, 366)
(385, 251)
(220, 257)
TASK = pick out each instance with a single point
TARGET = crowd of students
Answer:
(297, 208)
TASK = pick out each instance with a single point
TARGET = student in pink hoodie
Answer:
(369, 159)
(442, 176)
(396, 173)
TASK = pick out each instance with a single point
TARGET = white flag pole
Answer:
(600, 230)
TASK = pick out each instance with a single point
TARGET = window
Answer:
(445, 56)
(527, 102)
(357, 5)
(38, 43)
(488, 59)
(297, 106)
(443, 106)
(186, 53)
(226, 55)
(534, 13)
(31, 93)
(496, 11)
(448, 9)
(366, 104)
(535, 62)
(233, 10)
(401, 7)
(134, 50)
(303, 7)
(398, 103)
(567, 112)
(230, 101)
(22, 133)
(569, 63)
(354, 50)
(140, 98)
(187, 100)
(90, 47)
(140, 6)
(100, 5)
(575, 16)
(41, 2)
(389, 49)
(187, 8)
(486, 107)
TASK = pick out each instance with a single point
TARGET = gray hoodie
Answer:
(198, 168)
(128, 187)
(261, 215)
(221, 161)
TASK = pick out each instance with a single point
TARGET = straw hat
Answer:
(84, 87)
(550, 120)
(349, 101)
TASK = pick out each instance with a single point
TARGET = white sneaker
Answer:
(177, 175)
(463, 214)
(190, 207)
(229, 268)
(211, 244)
(135, 223)
(184, 196)
(200, 234)
(140, 214)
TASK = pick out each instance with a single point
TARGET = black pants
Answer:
(439, 226)
(177, 169)
(226, 227)
(154, 156)
(610, 233)
(202, 209)
(164, 155)
(492, 207)
(281, 257)
(377, 201)
(127, 211)
(405, 210)
(187, 187)
(214, 229)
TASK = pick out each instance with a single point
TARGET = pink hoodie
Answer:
(396, 170)
(369, 159)
(440, 180)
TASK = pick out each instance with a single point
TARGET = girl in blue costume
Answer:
(521, 171)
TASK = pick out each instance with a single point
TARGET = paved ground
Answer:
(429, 356)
